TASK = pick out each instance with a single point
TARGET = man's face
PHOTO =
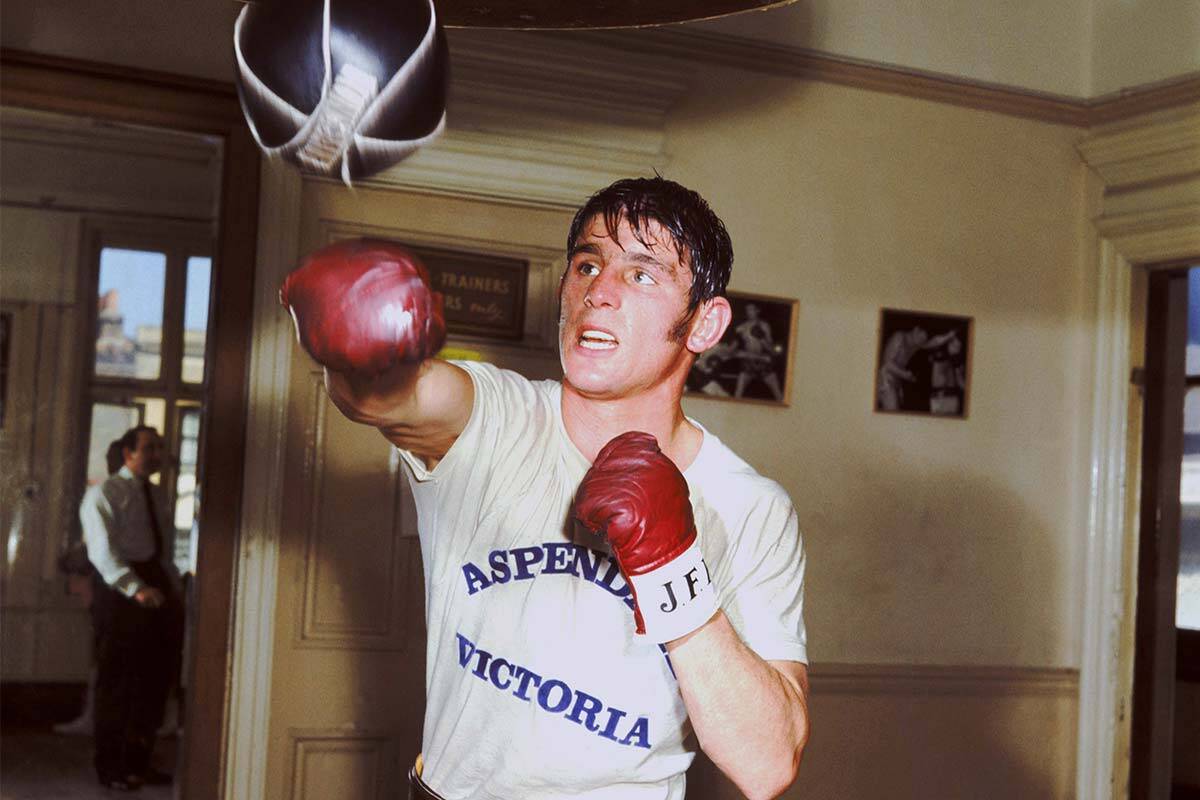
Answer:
(146, 459)
(620, 301)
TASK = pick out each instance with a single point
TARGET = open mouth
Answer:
(597, 340)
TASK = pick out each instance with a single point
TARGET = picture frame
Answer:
(483, 295)
(923, 363)
(753, 361)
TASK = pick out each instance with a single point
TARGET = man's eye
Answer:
(587, 268)
(643, 277)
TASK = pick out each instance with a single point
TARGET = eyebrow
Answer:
(640, 258)
(590, 249)
(651, 261)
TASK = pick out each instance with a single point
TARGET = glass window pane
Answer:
(110, 420)
(1193, 350)
(1187, 601)
(130, 313)
(109, 423)
(187, 497)
(195, 317)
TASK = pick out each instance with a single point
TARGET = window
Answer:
(1187, 600)
(150, 345)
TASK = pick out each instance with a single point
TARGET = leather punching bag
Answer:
(342, 87)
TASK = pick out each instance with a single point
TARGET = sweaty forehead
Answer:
(652, 235)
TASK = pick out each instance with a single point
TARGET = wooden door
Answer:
(46, 630)
(348, 672)
(348, 687)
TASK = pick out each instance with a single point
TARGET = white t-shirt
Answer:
(538, 686)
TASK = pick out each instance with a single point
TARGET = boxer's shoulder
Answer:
(728, 482)
(497, 385)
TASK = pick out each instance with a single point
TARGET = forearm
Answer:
(113, 569)
(376, 400)
(421, 407)
(751, 718)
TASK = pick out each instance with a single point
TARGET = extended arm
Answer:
(750, 715)
(365, 311)
(419, 407)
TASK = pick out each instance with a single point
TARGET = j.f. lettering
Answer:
(693, 584)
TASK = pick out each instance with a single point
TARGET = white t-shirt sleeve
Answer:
(501, 448)
(765, 597)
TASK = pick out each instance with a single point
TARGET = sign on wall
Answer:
(485, 295)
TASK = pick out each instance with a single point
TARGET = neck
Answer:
(592, 422)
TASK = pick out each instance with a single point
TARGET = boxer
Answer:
(609, 586)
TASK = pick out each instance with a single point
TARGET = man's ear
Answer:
(709, 324)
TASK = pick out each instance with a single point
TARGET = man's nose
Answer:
(604, 290)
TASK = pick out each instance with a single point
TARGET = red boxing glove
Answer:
(638, 499)
(364, 305)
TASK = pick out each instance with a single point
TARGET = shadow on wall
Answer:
(941, 568)
(930, 746)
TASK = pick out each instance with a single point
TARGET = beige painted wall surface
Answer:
(930, 541)
(1143, 41)
(1038, 45)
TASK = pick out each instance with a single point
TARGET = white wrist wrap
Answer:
(676, 598)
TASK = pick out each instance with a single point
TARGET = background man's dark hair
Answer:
(114, 457)
(699, 233)
(128, 441)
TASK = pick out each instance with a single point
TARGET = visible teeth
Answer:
(597, 340)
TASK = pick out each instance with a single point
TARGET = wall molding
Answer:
(525, 122)
(942, 679)
(1131, 155)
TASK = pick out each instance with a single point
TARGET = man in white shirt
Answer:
(569, 660)
(136, 612)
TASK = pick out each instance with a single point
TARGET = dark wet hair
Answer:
(696, 231)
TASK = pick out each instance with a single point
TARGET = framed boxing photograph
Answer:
(923, 363)
(753, 360)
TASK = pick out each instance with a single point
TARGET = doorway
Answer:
(1166, 690)
(155, 105)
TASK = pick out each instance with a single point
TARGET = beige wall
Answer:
(950, 546)
(1030, 43)
(1136, 42)
(944, 541)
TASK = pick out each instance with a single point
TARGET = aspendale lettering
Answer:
(550, 558)
(554, 696)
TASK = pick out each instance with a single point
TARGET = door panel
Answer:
(348, 693)
(46, 630)
(348, 667)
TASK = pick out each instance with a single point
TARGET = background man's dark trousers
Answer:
(137, 660)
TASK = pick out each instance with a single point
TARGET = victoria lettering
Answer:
(554, 696)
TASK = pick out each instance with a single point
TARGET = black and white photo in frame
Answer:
(923, 363)
(753, 360)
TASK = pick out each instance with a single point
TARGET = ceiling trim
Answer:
(1174, 93)
(114, 92)
(775, 59)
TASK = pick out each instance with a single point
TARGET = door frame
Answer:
(141, 97)
(1139, 222)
